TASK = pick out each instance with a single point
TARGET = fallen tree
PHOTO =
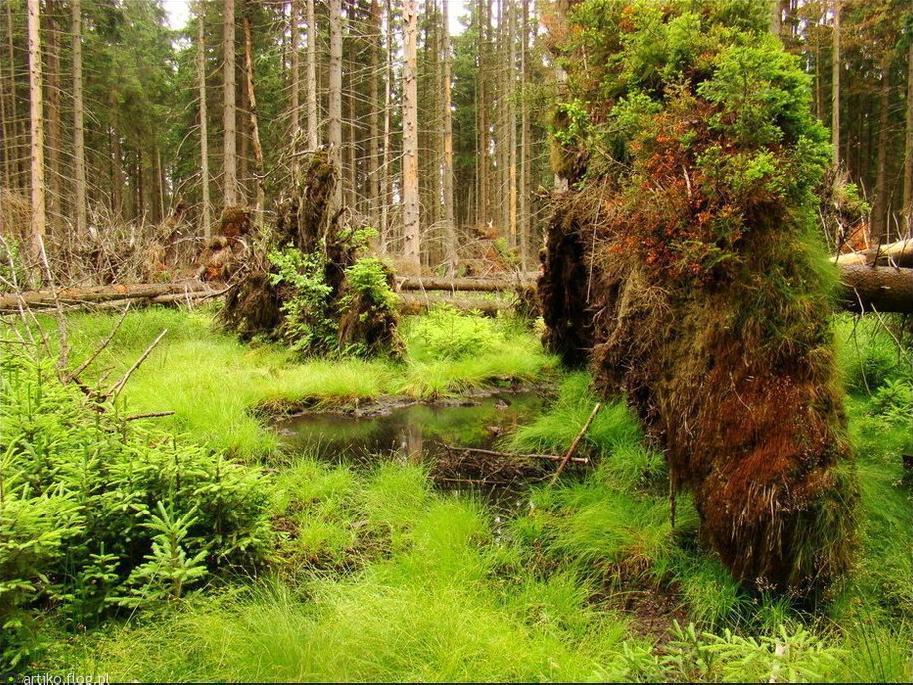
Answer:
(864, 288)
(898, 254)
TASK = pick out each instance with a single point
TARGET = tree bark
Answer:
(511, 76)
(879, 288)
(293, 31)
(55, 197)
(204, 125)
(374, 115)
(254, 126)
(335, 99)
(230, 158)
(482, 106)
(313, 123)
(879, 224)
(525, 166)
(79, 145)
(450, 235)
(410, 140)
(385, 166)
(36, 118)
(835, 84)
(908, 148)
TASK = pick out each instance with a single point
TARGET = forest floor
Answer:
(376, 574)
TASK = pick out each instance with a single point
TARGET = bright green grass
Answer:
(449, 603)
(384, 579)
(214, 383)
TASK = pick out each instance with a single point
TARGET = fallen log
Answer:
(899, 254)
(882, 288)
(102, 293)
(416, 304)
(465, 284)
(879, 288)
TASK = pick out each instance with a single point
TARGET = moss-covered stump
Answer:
(686, 257)
(307, 282)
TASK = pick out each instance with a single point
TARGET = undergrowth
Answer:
(376, 576)
(216, 385)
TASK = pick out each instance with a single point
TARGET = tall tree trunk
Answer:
(386, 175)
(117, 174)
(411, 235)
(482, 161)
(204, 126)
(254, 127)
(334, 108)
(524, 140)
(908, 149)
(79, 145)
(293, 30)
(373, 120)
(835, 84)
(230, 158)
(511, 74)
(313, 123)
(18, 125)
(450, 235)
(54, 139)
(880, 222)
(9, 114)
(36, 119)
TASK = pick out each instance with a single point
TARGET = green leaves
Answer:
(95, 515)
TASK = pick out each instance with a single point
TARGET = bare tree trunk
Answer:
(79, 145)
(482, 161)
(879, 223)
(410, 140)
(54, 200)
(9, 115)
(117, 174)
(204, 125)
(450, 235)
(835, 85)
(160, 182)
(230, 158)
(36, 117)
(255, 129)
(293, 30)
(335, 99)
(374, 123)
(313, 123)
(524, 140)
(18, 125)
(386, 174)
(908, 149)
(511, 78)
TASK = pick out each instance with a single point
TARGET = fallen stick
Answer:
(513, 455)
(117, 387)
(148, 415)
(574, 445)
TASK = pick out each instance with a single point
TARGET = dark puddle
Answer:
(420, 433)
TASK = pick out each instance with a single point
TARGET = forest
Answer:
(486, 340)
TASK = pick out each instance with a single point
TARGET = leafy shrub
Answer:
(308, 324)
(97, 513)
(445, 333)
(789, 655)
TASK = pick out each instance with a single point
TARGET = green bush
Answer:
(445, 333)
(308, 324)
(98, 513)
